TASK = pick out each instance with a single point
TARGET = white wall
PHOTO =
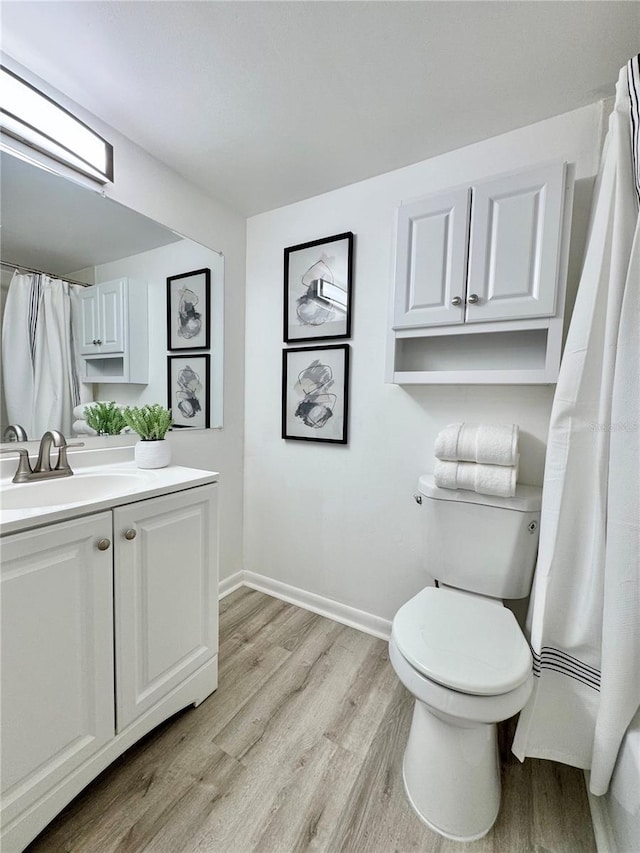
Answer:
(340, 521)
(144, 184)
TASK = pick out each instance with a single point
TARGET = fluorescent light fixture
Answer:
(34, 119)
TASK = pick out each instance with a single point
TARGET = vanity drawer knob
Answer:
(130, 534)
(104, 544)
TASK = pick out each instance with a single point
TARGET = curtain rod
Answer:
(43, 272)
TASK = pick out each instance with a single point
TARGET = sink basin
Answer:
(78, 488)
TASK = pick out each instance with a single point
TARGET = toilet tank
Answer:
(481, 543)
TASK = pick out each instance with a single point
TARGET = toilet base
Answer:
(451, 774)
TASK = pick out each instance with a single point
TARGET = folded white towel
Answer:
(489, 444)
(497, 480)
(81, 427)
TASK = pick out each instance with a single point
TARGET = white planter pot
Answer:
(152, 454)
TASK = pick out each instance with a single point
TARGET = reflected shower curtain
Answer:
(39, 359)
(585, 611)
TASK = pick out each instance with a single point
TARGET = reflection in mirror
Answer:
(75, 263)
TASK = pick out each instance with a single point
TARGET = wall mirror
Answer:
(51, 224)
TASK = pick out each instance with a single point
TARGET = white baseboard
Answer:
(230, 584)
(343, 613)
(605, 841)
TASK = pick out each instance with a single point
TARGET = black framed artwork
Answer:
(188, 313)
(188, 390)
(315, 393)
(318, 289)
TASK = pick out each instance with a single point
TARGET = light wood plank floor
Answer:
(300, 748)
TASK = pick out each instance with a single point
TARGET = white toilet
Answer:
(462, 654)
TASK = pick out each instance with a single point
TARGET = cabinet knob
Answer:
(96, 342)
(473, 299)
(104, 544)
(130, 534)
(456, 300)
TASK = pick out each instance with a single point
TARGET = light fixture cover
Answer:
(33, 118)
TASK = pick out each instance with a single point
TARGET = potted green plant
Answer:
(105, 418)
(152, 423)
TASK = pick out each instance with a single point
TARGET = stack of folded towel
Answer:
(482, 458)
(80, 425)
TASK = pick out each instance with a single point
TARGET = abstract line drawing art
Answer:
(318, 289)
(315, 393)
(188, 390)
(316, 406)
(188, 315)
(188, 396)
(189, 320)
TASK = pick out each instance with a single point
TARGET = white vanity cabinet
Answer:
(113, 332)
(482, 269)
(142, 579)
(57, 656)
(166, 596)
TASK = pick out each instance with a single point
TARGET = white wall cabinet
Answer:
(487, 258)
(103, 318)
(514, 247)
(141, 578)
(431, 260)
(114, 340)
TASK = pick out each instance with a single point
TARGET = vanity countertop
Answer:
(125, 484)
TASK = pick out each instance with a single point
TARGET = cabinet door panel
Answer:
(89, 323)
(166, 588)
(516, 231)
(431, 260)
(112, 316)
(57, 655)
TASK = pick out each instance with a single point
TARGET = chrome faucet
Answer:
(42, 469)
(15, 432)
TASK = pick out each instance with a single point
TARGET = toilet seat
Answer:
(466, 709)
(463, 642)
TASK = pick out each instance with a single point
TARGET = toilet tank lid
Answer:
(526, 499)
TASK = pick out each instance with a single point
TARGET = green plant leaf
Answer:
(105, 418)
(151, 422)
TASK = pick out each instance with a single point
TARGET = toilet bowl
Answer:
(462, 654)
(467, 663)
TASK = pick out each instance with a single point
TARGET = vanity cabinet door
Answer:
(166, 595)
(57, 655)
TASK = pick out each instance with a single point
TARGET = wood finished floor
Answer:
(300, 748)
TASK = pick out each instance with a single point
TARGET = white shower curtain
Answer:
(39, 360)
(585, 612)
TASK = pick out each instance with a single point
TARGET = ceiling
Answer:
(53, 224)
(266, 103)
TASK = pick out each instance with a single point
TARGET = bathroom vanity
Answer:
(109, 622)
